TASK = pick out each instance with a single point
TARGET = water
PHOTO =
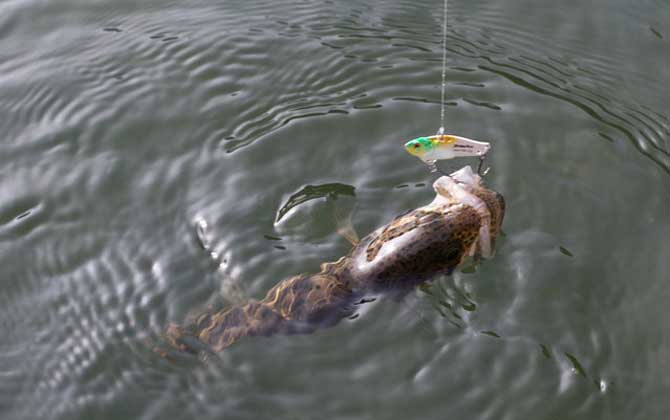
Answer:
(125, 124)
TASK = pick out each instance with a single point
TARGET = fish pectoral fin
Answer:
(342, 212)
(350, 235)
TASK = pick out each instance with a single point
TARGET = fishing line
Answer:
(440, 131)
(444, 67)
(431, 149)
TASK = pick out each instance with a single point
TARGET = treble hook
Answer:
(433, 168)
(481, 164)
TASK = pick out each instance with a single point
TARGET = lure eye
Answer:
(417, 145)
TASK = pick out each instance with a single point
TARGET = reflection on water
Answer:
(124, 125)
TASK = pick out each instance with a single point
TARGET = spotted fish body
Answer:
(463, 220)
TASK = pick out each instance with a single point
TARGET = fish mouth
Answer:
(466, 176)
(468, 147)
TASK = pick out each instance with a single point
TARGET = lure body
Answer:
(445, 146)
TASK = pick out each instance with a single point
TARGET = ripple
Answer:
(98, 307)
(21, 208)
(569, 82)
(482, 104)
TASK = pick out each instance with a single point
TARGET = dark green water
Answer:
(125, 123)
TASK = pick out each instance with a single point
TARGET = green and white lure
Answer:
(440, 147)
(445, 146)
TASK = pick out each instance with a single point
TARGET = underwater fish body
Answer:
(462, 221)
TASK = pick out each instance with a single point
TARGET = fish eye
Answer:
(417, 145)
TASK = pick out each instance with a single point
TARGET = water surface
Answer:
(124, 124)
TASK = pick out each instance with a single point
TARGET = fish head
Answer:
(466, 187)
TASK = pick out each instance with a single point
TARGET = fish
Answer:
(445, 146)
(463, 220)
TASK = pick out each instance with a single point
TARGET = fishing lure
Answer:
(445, 146)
